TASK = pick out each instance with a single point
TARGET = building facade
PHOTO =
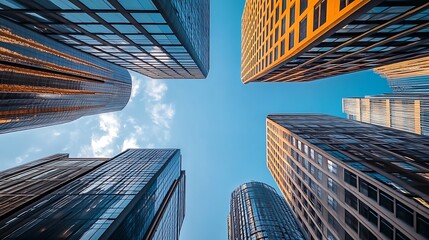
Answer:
(139, 194)
(350, 180)
(157, 38)
(44, 82)
(410, 76)
(304, 40)
(406, 112)
(258, 212)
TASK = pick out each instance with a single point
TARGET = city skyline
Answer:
(220, 125)
(138, 194)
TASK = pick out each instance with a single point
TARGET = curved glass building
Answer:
(44, 82)
(258, 212)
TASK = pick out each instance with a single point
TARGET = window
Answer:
(345, 3)
(312, 154)
(332, 185)
(320, 159)
(319, 14)
(404, 213)
(400, 236)
(303, 4)
(283, 31)
(332, 167)
(282, 48)
(277, 14)
(303, 29)
(292, 15)
(319, 175)
(368, 213)
(351, 221)
(332, 202)
(386, 201)
(291, 39)
(368, 189)
(350, 199)
(365, 234)
(386, 228)
(350, 178)
(333, 222)
(283, 6)
(422, 225)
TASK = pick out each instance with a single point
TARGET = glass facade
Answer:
(329, 37)
(158, 38)
(44, 82)
(138, 194)
(258, 212)
(374, 180)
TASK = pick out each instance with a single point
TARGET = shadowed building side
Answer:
(258, 212)
(139, 194)
(44, 82)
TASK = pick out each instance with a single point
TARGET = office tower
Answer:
(139, 194)
(351, 180)
(410, 76)
(157, 38)
(406, 112)
(258, 212)
(304, 40)
(44, 82)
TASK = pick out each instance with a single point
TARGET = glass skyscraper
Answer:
(258, 212)
(351, 180)
(44, 82)
(139, 194)
(304, 40)
(157, 38)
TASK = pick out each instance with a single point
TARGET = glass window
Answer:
(126, 28)
(113, 17)
(97, 4)
(351, 221)
(303, 29)
(386, 228)
(283, 26)
(320, 159)
(319, 175)
(78, 17)
(303, 4)
(350, 199)
(422, 225)
(368, 189)
(400, 236)
(291, 39)
(368, 213)
(319, 14)
(148, 17)
(95, 28)
(137, 5)
(283, 5)
(365, 234)
(292, 15)
(332, 167)
(386, 201)
(350, 178)
(332, 202)
(404, 213)
(332, 185)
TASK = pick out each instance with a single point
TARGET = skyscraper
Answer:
(139, 194)
(158, 38)
(294, 41)
(351, 180)
(406, 112)
(258, 212)
(44, 82)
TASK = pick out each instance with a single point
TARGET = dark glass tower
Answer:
(44, 82)
(139, 194)
(258, 212)
(351, 180)
(157, 38)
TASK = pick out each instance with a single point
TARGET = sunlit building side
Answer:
(304, 40)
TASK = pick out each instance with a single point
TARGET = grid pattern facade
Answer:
(303, 40)
(131, 196)
(158, 38)
(350, 180)
(258, 212)
(406, 112)
(44, 82)
(27, 182)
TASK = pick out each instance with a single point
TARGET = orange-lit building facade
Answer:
(347, 180)
(303, 40)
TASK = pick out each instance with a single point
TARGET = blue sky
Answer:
(218, 123)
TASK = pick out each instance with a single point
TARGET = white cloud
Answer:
(136, 83)
(155, 89)
(24, 157)
(130, 142)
